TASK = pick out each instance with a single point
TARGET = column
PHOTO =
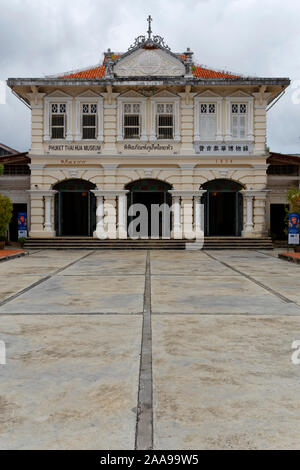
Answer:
(107, 221)
(255, 221)
(110, 216)
(198, 214)
(187, 214)
(249, 219)
(248, 197)
(48, 224)
(99, 233)
(260, 200)
(41, 225)
(122, 214)
(176, 209)
(177, 231)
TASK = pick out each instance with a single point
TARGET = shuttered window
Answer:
(89, 121)
(131, 121)
(164, 121)
(208, 121)
(58, 121)
(239, 112)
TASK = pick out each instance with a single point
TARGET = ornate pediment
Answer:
(208, 94)
(131, 94)
(88, 94)
(58, 94)
(165, 94)
(240, 94)
(149, 62)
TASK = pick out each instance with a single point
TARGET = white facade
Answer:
(150, 114)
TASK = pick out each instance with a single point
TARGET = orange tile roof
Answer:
(95, 72)
(198, 72)
(201, 72)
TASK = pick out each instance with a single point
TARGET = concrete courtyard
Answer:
(162, 349)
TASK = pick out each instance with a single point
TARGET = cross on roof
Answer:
(149, 19)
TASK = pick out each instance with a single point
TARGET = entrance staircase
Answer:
(88, 243)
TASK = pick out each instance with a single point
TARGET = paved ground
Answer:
(213, 331)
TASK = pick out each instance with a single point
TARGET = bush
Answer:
(22, 240)
(1, 168)
(6, 212)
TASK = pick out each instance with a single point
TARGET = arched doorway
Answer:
(153, 195)
(75, 208)
(223, 208)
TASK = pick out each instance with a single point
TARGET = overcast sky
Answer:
(252, 37)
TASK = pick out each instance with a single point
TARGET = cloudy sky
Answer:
(252, 37)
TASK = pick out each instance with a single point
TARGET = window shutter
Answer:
(208, 126)
(211, 126)
(242, 126)
(235, 127)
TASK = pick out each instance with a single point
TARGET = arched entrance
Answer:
(223, 208)
(75, 208)
(153, 195)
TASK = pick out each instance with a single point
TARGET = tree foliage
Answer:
(293, 197)
(6, 212)
(1, 169)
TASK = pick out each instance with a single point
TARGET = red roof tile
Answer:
(96, 72)
(201, 72)
(198, 72)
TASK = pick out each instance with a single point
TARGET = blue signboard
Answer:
(22, 224)
(294, 222)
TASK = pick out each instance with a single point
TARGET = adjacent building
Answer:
(15, 183)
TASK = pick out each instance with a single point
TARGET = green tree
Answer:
(1, 169)
(6, 212)
(293, 197)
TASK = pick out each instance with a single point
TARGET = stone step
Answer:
(210, 243)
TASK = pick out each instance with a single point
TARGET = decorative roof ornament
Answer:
(149, 19)
(150, 40)
(108, 64)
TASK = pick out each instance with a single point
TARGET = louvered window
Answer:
(164, 121)
(208, 121)
(89, 121)
(239, 112)
(58, 121)
(131, 121)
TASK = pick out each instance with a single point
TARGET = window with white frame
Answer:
(131, 120)
(89, 121)
(58, 120)
(238, 115)
(164, 121)
(208, 121)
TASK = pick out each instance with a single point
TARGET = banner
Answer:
(294, 222)
(22, 224)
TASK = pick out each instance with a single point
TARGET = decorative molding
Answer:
(36, 100)
(41, 192)
(109, 192)
(184, 193)
(131, 94)
(149, 62)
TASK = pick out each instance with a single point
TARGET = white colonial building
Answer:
(148, 126)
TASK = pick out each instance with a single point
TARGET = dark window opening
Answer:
(131, 126)
(165, 126)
